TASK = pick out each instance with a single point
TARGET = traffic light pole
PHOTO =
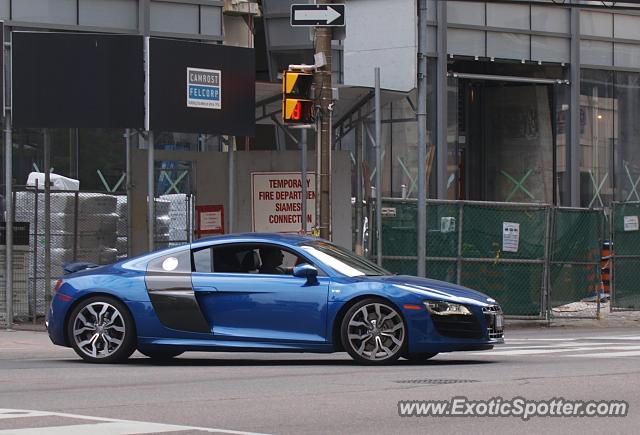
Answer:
(303, 176)
(325, 97)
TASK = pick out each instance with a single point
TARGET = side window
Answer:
(235, 259)
(277, 261)
(246, 258)
(177, 262)
(203, 260)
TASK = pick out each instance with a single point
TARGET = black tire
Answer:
(355, 327)
(105, 337)
(419, 357)
(161, 355)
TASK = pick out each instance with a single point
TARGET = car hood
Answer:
(434, 289)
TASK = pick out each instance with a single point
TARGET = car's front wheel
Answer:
(101, 330)
(373, 332)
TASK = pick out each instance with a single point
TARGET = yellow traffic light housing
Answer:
(297, 104)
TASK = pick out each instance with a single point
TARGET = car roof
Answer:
(281, 238)
(139, 262)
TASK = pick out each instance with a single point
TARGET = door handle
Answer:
(205, 290)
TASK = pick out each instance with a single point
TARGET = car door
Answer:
(168, 281)
(243, 304)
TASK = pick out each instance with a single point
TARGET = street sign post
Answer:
(317, 15)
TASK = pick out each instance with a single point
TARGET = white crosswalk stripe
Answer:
(619, 346)
(26, 422)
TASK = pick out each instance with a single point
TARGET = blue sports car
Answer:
(265, 293)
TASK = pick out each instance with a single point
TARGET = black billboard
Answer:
(201, 88)
(77, 80)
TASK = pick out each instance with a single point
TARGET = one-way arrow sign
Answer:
(317, 15)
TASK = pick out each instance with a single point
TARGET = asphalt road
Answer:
(308, 394)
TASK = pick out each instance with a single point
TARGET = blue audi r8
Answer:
(265, 293)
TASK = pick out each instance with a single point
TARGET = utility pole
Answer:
(422, 137)
(325, 95)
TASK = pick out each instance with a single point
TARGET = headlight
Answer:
(442, 308)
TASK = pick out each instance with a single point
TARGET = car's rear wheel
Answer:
(373, 332)
(101, 330)
(417, 357)
(164, 355)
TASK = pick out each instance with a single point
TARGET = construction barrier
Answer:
(535, 259)
(625, 261)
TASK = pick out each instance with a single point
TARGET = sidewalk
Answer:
(582, 318)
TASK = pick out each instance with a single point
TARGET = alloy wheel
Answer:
(376, 332)
(99, 330)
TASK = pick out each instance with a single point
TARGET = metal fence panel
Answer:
(626, 290)
(466, 244)
(443, 222)
(516, 286)
(507, 244)
(399, 223)
(516, 253)
(574, 278)
(484, 230)
(625, 263)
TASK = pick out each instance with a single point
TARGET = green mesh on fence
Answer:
(573, 282)
(627, 283)
(442, 230)
(626, 242)
(626, 251)
(401, 267)
(516, 287)
(442, 270)
(399, 230)
(483, 231)
(577, 235)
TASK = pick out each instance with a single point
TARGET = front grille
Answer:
(457, 326)
(490, 314)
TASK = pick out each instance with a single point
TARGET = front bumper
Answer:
(432, 334)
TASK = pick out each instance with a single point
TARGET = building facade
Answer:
(531, 101)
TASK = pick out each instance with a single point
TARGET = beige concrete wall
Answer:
(210, 186)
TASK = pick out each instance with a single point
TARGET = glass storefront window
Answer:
(627, 128)
(598, 113)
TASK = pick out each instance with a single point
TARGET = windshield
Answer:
(343, 261)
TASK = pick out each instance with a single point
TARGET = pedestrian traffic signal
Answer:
(297, 104)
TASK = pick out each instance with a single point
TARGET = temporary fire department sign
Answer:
(204, 88)
(277, 201)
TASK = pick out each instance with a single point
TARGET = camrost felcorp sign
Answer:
(204, 88)
(201, 88)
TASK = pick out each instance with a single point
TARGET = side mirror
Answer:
(305, 270)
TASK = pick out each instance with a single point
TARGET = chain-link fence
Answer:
(625, 263)
(173, 220)
(574, 272)
(506, 250)
(83, 226)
